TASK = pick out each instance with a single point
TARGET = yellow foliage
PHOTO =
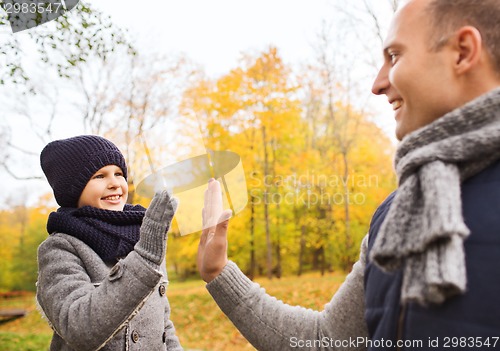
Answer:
(316, 168)
(308, 163)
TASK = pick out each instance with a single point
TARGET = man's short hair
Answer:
(448, 16)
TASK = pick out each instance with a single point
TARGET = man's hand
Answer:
(212, 250)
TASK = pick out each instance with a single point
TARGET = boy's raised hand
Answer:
(162, 208)
(155, 225)
(212, 250)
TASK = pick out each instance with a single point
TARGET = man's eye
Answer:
(393, 57)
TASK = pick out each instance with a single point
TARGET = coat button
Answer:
(162, 290)
(135, 336)
(164, 337)
(116, 272)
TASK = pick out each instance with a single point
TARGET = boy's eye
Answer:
(119, 174)
(98, 176)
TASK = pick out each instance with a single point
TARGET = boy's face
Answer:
(107, 189)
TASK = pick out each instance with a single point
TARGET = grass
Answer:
(29, 333)
(23, 342)
(199, 322)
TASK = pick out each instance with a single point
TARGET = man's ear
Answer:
(468, 44)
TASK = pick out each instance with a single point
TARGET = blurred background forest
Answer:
(316, 149)
(317, 161)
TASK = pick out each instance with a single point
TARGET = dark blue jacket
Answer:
(467, 322)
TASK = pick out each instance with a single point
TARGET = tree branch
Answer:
(15, 176)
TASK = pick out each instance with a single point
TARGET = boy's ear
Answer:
(468, 45)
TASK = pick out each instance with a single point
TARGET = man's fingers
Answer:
(222, 222)
(212, 249)
(219, 235)
(213, 203)
(203, 238)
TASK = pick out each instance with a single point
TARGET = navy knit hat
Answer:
(69, 164)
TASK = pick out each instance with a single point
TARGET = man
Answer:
(427, 276)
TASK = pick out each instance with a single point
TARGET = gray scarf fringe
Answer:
(424, 230)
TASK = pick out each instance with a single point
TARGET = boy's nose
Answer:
(113, 183)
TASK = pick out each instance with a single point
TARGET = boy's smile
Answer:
(107, 189)
(112, 199)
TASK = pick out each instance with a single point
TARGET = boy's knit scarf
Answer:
(111, 234)
(424, 230)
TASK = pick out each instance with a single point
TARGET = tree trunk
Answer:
(266, 210)
(252, 240)
(278, 269)
(302, 249)
(348, 239)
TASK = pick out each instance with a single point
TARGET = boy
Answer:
(101, 272)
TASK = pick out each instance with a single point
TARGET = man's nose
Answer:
(381, 83)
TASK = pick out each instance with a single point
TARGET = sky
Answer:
(215, 34)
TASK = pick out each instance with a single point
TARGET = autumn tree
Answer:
(22, 229)
(93, 81)
(37, 68)
(299, 140)
(254, 111)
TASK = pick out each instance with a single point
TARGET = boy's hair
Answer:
(69, 164)
(449, 15)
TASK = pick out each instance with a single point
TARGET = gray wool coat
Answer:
(94, 306)
(90, 304)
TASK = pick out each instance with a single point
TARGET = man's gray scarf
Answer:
(424, 230)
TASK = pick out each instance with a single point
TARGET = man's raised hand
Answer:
(212, 250)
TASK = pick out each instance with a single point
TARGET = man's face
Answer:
(107, 189)
(417, 81)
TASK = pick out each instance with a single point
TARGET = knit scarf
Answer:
(424, 230)
(111, 234)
